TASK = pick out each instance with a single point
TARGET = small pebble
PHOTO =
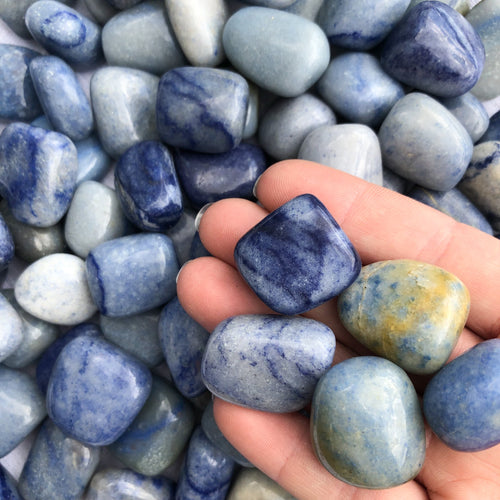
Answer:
(102, 11)
(252, 484)
(305, 8)
(461, 6)
(11, 334)
(93, 162)
(6, 244)
(182, 235)
(252, 118)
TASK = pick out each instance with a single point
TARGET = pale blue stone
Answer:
(462, 6)
(182, 235)
(350, 147)
(42, 122)
(102, 11)
(283, 356)
(305, 8)
(424, 143)
(93, 162)
(395, 182)
(252, 118)
(8, 486)
(281, 52)
(12, 334)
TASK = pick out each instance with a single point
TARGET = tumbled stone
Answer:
(101, 11)
(8, 486)
(93, 162)
(462, 401)
(57, 466)
(252, 484)
(350, 147)
(435, 50)
(493, 131)
(409, 312)
(461, 6)
(395, 182)
(424, 143)
(252, 118)
(38, 170)
(283, 356)
(11, 334)
(96, 390)
(6, 244)
(281, 52)
(182, 235)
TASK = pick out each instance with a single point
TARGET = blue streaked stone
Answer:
(8, 487)
(462, 401)
(283, 356)
(6, 244)
(11, 334)
(93, 162)
(493, 131)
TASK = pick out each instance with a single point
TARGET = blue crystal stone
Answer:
(434, 49)
(12, 333)
(132, 274)
(493, 131)
(297, 257)
(18, 99)
(147, 186)
(96, 390)
(8, 487)
(202, 109)
(206, 178)
(93, 161)
(6, 245)
(57, 466)
(62, 97)
(462, 401)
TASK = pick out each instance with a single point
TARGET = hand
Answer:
(382, 225)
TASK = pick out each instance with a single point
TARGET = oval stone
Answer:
(101, 11)
(93, 162)
(407, 311)
(281, 52)
(462, 6)
(11, 334)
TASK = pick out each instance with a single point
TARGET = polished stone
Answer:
(11, 334)
(132, 274)
(252, 484)
(182, 235)
(96, 390)
(124, 101)
(351, 147)
(6, 244)
(38, 170)
(101, 11)
(462, 6)
(197, 249)
(366, 424)
(297, 257)
(493, 131)
(424, 143)
(281, 52)
(93, 162)
(409, 312)
(202, 109)
(462, 401)
(8, 486)
(305, 8)
(252, 118)
(435, 50)
(57, 466)
(283, 356)
(395, 182)
(55, 289)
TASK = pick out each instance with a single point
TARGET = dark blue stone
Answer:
(211, 177)
(197, 248)
(8, 489)
(147, 185)
(18, 99)
(202, 109)
(297, 257)
(462, 401)
(493, 131)
(6, 245)
(96, 390)
(434, 49)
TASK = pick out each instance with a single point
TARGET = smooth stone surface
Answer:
(462, 6)
(123, 100)
(207, 471)
(493, 131)
(132, 274)
(136, 334)
(197, 249)
(94, 216)
(252, 118)
(96, 390)
(8, 486)
(183, 342)
(198, 26)
(252, 484)
(305, 8)
(435, 50)
(18, 99)
(409, 312)
(11, 334)
(158, 434)
(38, 173)
(6, 245)
(297, 257)
(62, 97)
(282, 356)
(22, 408)
(182, 235)
(55, 289)
(202, 109)
(101, 11)
(462, 401)
(281, 52)
(287, 122)
(274, 4)
(395, 182)
(356, 86)
(65, 32)
(141, 37)
(367, 428)
(350, 147)
(93, 162)
(147, 186)
(355, 25)
(57, 466)
(424, 143)
(207, 178)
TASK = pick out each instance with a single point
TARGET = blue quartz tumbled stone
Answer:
(37, 173)
(6, 244)
(18, 99)
(182, 234)
(96, 390)
(11, 334)
(211, 177)
(283, 356)
(462, 401)
(367, 427)
(93, 162)
(435, 50)
(202, 109)
(148, 188)
(132, 274)
(297, 257)
(62, 97)
(8, 488)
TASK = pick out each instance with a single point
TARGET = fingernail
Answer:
(254, 190)
(199, 215)
(179, 271)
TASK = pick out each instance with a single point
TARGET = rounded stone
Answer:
(102, 11)
(6, 244)
(93, 162)
(462, 6)
(11, 335)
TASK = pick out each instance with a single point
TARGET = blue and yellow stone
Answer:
(409, 312)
